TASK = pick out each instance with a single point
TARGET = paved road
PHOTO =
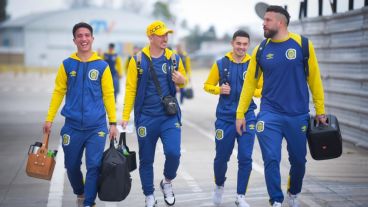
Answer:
(23, 103)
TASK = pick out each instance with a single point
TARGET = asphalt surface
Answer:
(24, 99)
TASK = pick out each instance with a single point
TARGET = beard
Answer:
(270, 33)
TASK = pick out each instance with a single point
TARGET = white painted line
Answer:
(191, 182)
(256, 167)
(56, 191)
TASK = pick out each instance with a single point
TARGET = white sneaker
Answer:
(277, 204)
(292, 200)
(240, 201)
(217, 195)
(150, 201)
(167, 190)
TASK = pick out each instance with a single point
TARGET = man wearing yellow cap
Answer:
(150, 87)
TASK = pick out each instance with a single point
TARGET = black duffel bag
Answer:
(114, 180)
(324, 142)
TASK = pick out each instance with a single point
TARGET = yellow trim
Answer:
(249, 86)
(108, 94)
(58, 93)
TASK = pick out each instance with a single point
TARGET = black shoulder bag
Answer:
(169, 102)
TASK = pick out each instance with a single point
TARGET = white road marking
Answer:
(189, 180)
(56, 191)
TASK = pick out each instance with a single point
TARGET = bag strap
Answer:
(305, 51)
(155, 79)
(45, 142)
(226, 69)
(173, 61)
(258, 56)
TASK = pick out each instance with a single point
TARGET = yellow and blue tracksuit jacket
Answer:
(88, 90)
(285, 88)
(226, 108)
(137, 79)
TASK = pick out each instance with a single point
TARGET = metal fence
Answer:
(341, 44)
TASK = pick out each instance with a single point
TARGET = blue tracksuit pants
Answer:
(225, 139)
(271, 128)
(149, 129)
(74, 142)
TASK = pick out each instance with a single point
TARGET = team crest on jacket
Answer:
(164, 68)
(260, 126)
(142, 131)
(66, 139)
(93, 74)
(290, 54)
(219, 134)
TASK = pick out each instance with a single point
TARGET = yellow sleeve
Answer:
(315, 81)
(211, 84)
(130, 89)
(181, 70)
(126, 65)
(258, 91)
(119, 66)
(188, 66)
(58, 94)
(249, 86)
(108, 94)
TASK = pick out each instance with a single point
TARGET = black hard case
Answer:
(324, 142)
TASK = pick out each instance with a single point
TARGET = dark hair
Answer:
(112, 45)
(241, 33)
(280, 10)
(82, 25)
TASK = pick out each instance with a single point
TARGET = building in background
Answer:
(44, 39)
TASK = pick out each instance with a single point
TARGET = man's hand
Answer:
(124, 124)
(321, 119)
(225, 89)
(240, 126)
(47, 127)
(178, 78)
(113, 132)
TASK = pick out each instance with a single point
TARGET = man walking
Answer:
(226, 79)
(116, 68)
(151, 87)
(85, 79)
(288, 64)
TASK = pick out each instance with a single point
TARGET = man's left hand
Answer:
(178, 78)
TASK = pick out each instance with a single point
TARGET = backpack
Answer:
(114, 181)
(224, 65)
(305, 53)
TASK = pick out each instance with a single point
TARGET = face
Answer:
(159, 41)
(271, 24)
(83, 40)
(240, 46)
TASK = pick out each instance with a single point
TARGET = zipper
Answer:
(85, 67)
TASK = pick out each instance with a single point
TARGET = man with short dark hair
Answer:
(285, 101)
(226, 79)
(85, 80)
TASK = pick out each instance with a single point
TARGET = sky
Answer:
(225, 15)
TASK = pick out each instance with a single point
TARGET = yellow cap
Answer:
(158, 28)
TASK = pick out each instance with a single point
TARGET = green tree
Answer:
(162, 10)
(3, 15)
